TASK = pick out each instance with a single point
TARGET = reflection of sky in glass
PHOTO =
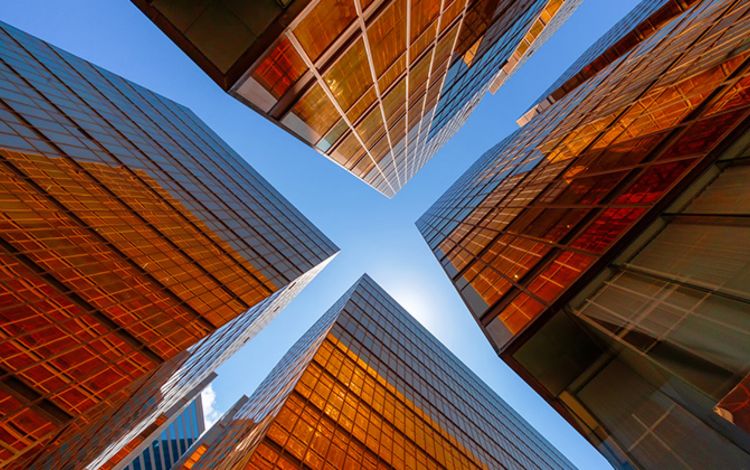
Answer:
(375, 235)
(172, 443)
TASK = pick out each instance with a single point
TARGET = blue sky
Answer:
(376, 235)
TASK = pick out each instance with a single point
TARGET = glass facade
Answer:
(128, 233)
(169, 443)
(652, 359)
(110, 440)
(643, 21)
(368, 387)
(376, 86)
(602, 247)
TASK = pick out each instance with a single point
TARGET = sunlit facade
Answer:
(377, 86)
(603, 246)
(106, 444)
(368, 387)
(640, 23)
(129, 231)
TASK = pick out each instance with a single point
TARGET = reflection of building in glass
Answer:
(368, 387)
(164, 447)
(377, 86)
(128, 233)
(603, 246)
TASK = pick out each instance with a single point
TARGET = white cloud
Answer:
(210, 414)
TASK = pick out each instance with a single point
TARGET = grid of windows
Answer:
(662, 338)
(129, 231)
(644, 20)
(376, 86)
(482, 70)
(549, 201)
(602, 246)
(368, 387)
(171, 443)
(175, 383)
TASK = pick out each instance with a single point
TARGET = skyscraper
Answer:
(368, 387)
(643, 21)
(129, 232)
(602, 248)
(377, 86)
(169, 442)
(104, 444)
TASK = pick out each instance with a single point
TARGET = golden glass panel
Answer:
(316, 110)
(392, 74)
(364, 103)
(424, 14)
(350, 76)
(348, 149)
(393, 101)
(422, 43)
(361, 167)
(371, 127)
(450, 13)
(319, 28)
(387, 36)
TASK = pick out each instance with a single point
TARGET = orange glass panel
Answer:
(423, 15)
(280, 68)
(316, 110)
(363, 104)
(451, 12)
(521, 311)
(350, 76)
(327, 20)
(387, 36)
(392, 74)
(348, 150)
(424, 41)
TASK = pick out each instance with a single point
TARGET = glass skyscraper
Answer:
(603, 247)
(377, 86)
(111, 439)
(129, 232)
(170, 441)
(643, 21)
(368, 387)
